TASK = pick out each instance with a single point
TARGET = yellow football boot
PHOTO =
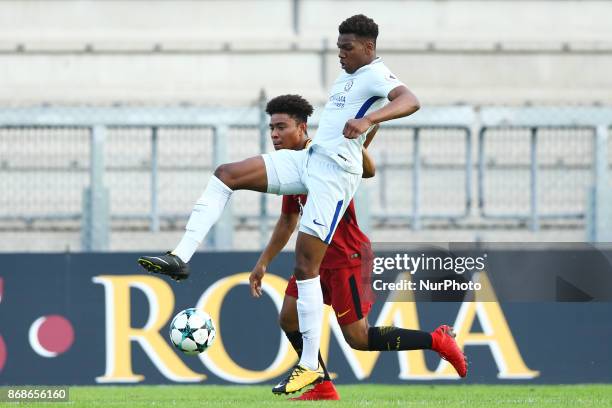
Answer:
(298, 378)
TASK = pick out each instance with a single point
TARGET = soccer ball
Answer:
(192, 331)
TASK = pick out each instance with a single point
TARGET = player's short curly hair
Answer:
(359, 25)
(293, 105)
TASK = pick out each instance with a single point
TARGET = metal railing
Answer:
(140, 142)
(533, 213)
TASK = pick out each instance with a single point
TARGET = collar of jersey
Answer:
(374, 61)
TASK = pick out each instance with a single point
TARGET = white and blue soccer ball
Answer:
(192, 331)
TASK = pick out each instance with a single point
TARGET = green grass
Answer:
(467, 396)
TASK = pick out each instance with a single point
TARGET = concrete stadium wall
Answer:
(224, 52)
(236, 78)
(498, 20)
(135, 20)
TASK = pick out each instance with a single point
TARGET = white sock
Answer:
(205, 214)
(310, 313)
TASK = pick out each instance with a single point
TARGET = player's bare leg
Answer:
(288, 318)
(249, 174)
(356, 334)
(310, 251)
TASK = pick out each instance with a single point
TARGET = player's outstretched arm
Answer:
(403, 103)
(280, 236)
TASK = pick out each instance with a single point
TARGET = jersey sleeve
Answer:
(382, 81)
(290, 205)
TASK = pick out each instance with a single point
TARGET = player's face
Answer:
(354, 52)
(286, 132)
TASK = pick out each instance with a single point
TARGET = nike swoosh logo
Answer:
(155, 257)
(342, 314)
(317, 223)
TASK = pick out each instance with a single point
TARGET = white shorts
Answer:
(329, 187)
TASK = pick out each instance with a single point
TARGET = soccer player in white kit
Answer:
(329, 172)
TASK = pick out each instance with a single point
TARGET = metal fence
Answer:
(123, 168)
(553, 164)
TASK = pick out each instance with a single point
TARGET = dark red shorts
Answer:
(342, 291)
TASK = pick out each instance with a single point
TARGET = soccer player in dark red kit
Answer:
(341, 268)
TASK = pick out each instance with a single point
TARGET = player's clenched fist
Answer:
(255, 279)
(356, 127)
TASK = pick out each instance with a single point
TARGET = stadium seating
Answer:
(215, 52)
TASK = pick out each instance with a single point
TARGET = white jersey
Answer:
(352, 96)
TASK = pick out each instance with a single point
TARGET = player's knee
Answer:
(299, 271)
(233, 175)
(358, 340)
(304, 271)
(224, 173)
(305, 267)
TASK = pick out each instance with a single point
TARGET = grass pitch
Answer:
(466, 396)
